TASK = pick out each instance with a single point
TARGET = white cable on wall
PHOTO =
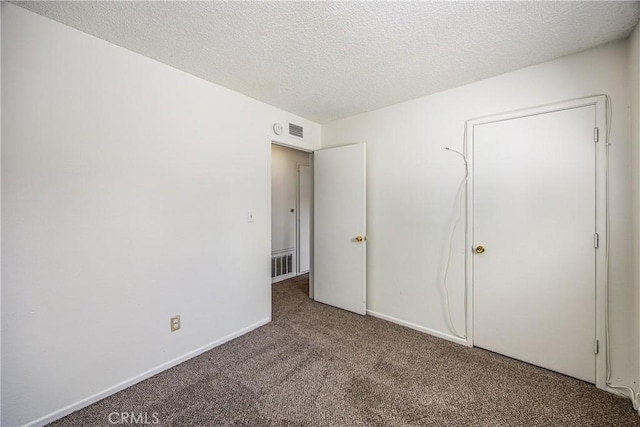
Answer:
(632, 394)
(460, 208)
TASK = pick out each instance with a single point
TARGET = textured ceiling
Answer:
(327, 60)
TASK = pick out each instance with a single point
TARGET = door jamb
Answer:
(298, 165)
(272, 141)
(602, 153)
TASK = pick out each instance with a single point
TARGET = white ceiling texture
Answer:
(327, 60)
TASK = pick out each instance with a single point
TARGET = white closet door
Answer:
(534, 213)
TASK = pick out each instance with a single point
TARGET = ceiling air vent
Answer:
(296, 131)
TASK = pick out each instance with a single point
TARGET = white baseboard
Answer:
(617, 392)
(621, 394)
(141, 377)
(419, 328)
(281, 278)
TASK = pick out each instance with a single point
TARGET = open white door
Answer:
(340, 227)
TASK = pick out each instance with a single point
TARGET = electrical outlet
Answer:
(250, 217)
(175, 323)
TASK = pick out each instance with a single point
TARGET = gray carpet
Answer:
(315, 365)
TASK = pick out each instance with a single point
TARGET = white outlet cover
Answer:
(250, 217)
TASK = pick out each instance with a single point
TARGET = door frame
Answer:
(298, 165)
(601, 103)
(273, 141)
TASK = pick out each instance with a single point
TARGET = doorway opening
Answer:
(291, 207)
(317, 225)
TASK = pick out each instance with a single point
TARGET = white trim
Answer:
(273, 141)
(0, 205)
(600, 103)
(270, 143)
(419, 328)
(297, 225)
(618, 393)
(282, 278)
(298, 210)
(311, 229)
(284, 144)
(141, 377)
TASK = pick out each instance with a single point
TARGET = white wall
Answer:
(412, 182)
(634, 90)
(126, 186)
(284, 190)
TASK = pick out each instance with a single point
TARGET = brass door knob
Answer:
(359, 238)
(480, 249)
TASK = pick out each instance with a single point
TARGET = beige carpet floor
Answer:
(315, 365)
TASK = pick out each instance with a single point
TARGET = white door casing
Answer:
(339, 188)
(536, 200)
(304, 218)
(284, 208)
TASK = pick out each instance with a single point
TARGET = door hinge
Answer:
(596, 346)
(596, 240)
(596, 134)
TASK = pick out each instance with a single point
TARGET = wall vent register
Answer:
(296, 130)
(281, 265)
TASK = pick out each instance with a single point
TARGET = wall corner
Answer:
(634, 90)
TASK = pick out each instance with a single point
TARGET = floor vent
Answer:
(281, 265)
